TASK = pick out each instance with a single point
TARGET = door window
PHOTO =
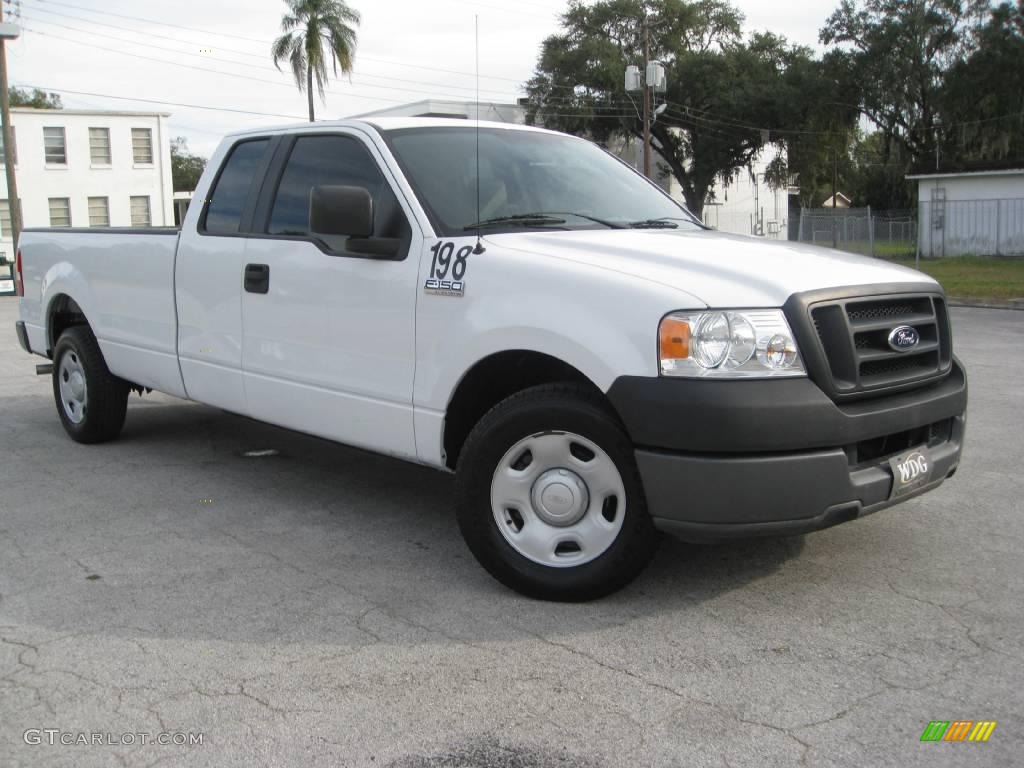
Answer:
(227, 201)
(333, 160)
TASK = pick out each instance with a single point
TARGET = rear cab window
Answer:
(231, 190)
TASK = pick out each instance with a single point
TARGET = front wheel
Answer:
(549, 498)
(91, 401)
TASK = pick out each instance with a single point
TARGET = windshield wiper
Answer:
(588, 217)
(662, 223)
(519, 220)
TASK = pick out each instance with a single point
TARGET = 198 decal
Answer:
(448, 269)
(443, 260)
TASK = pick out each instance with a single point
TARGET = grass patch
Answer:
(883, 249)
(886, 250)
(975, 277)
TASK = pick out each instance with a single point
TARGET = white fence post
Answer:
(871, 232)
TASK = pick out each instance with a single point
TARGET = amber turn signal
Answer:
(674, 339)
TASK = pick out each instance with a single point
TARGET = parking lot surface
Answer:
(317, 607)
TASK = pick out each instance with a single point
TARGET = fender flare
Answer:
(64, 280)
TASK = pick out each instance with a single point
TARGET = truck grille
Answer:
(853, 334)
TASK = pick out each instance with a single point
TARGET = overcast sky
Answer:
(182, 53)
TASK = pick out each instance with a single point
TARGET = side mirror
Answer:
(339, 210)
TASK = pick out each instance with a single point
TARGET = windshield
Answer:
(528, 180)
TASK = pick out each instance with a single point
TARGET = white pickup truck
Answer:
(521, 308)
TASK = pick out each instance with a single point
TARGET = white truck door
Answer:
(329, 348)
(209, 274)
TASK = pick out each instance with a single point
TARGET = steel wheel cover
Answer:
(558, 499)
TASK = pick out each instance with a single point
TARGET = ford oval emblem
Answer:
(904, 338)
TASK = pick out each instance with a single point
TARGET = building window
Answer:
(60, 212)
(56, 149)
(142, 146)
(140, 211)
(99, 146)
(5, 219)
(14, 147)
(99, 212)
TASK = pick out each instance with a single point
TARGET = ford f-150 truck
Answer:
(523, 309)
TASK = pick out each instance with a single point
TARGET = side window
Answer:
(338, 160)
(230, 191)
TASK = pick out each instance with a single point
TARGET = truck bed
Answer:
(123, 281)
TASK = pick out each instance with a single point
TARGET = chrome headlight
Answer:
(731, 344)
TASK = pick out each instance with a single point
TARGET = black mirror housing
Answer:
(341, 210)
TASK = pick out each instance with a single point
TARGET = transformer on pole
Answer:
(650, 80)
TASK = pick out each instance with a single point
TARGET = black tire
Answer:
(551, 408)
(106, 402)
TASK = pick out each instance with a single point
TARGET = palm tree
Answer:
(315, 31)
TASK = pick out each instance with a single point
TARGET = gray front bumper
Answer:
(703, 497)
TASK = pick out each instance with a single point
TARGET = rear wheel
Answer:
(549, 499)
(91, 401)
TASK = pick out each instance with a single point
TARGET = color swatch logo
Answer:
(958, 730)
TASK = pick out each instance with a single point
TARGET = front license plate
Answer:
(910, 471)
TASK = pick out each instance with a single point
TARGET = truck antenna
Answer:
(479, 243)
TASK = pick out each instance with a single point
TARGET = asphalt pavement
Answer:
(317, 607)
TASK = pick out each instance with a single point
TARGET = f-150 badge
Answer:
(444, 287)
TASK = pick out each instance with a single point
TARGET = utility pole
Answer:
(648, 80)
(9, 32)
(647, 101)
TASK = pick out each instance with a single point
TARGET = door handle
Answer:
(257, 278)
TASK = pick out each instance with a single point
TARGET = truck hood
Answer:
(719, 269)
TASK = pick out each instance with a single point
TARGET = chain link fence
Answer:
(890, 234)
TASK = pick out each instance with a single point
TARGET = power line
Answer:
(239, 37)
(154, 21)
(163, 103)
(503, 94)
(233, 110)
(345, 94)
(722, 124)
(796, 131)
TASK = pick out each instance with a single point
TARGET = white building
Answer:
(86, 168)
(979, 213)
(745, 204)
(458, 110)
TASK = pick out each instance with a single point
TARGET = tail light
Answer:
(19, 281)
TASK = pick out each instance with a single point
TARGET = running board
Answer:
(44, 370)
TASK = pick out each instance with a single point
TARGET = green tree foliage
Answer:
(724, 93)
(818, 152)
(877, 178)
(983, 99)
(896, 55)
(37, 99)
(186, 168)
(316, 32)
